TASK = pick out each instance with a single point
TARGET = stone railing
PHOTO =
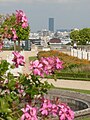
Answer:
(81, 54)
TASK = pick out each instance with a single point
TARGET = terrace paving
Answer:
(74, 84)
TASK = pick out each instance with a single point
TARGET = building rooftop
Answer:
(55, 40)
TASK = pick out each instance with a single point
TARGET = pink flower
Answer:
(20, 91)
(24, 18)
(46, 107)
(58, 63)
(19, 14)
(24, 24)
(18, 59)
(45, 66)
(54, 110)
(14, 34)
(65, 112)
(25, 115)
(21, 18)
(36, 67)
(29, 113)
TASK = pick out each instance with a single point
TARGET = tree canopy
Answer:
(81, 36)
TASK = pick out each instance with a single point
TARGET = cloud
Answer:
(53, 1)
(39, 1)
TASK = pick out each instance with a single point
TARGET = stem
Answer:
(16, 112)
(19, 46)
(15, 46)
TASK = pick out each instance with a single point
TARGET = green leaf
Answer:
(9, 118)
(4, 106)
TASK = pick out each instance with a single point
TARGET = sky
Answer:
(67, 14)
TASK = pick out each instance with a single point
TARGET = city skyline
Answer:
(67, 14)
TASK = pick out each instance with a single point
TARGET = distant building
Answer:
(55, 43)
(55, 40)
(63, 30)
(51, 24)
(35, 41)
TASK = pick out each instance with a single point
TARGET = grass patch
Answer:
(72, 74)
(72, 78)
(66, 78)
(32, 58)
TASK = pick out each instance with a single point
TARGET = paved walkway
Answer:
(28, 54)
(85, 85)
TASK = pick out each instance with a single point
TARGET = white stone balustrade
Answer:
(81, 54)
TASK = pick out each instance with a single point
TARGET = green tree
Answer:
(84, 36)
(81, 36)
(74, 35)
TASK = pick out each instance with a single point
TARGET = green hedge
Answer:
(78, 76)
(74, 75)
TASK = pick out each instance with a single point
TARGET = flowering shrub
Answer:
(15, 27)
(46, 65)
(22, 97)
(49, 110)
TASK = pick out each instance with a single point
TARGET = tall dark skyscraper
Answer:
(51, 24)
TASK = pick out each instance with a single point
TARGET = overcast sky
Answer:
(67, 14)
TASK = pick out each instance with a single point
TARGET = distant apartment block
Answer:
(51, 24)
